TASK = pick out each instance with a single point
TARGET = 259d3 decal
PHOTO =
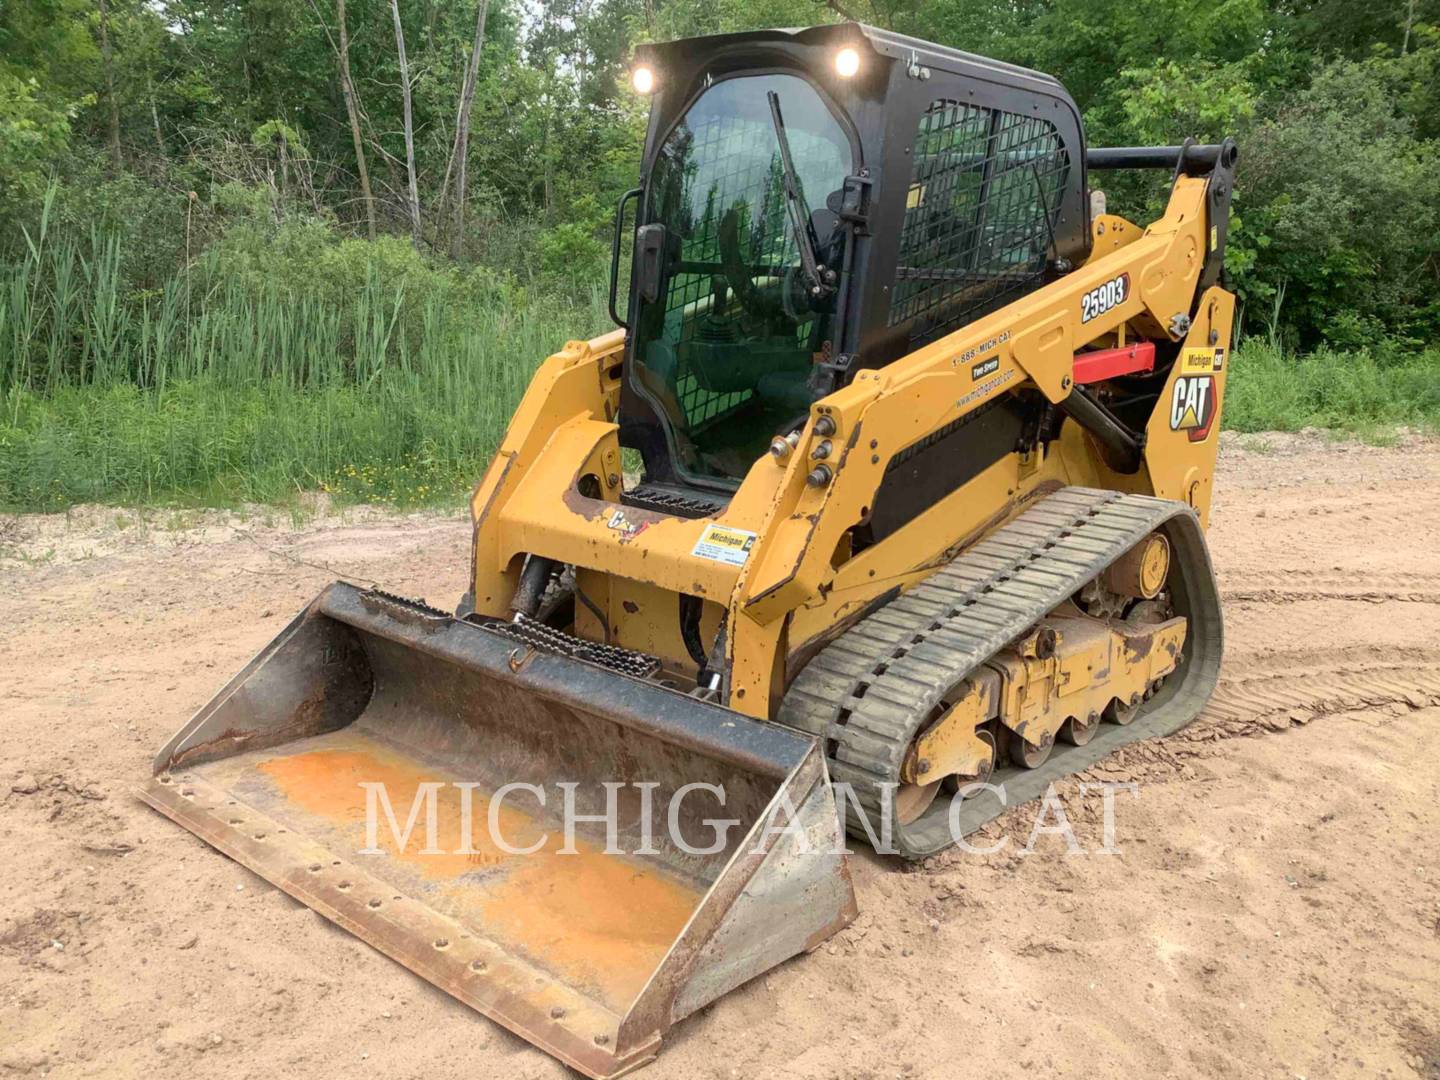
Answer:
(1192, 406)
(1102, 298)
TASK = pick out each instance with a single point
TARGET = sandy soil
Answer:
(1274, 909)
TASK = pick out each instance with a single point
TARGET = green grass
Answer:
(409, 438)
(368, 372)
(403, 437)
(393, 384)
(1272, 390)
(204, 443)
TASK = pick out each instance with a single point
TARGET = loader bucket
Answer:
(591, 949)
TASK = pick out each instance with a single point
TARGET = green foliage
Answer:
(192, 315)
(1203, 99)
(360, 369)
(50, 41)
(1343, 204)
(206, 443)
(276, 133)
(1272, 390)
(1089, 43)
(33, 135)
(294, 302)
(571, 251)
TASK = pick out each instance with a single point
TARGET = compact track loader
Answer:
(884, 508)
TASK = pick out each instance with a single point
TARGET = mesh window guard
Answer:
(741, 167)
(984, 196)
(726, 351)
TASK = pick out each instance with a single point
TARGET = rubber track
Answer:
(868, 692)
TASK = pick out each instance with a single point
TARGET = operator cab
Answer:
(820, 201)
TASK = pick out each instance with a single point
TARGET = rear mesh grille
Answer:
(984, 196)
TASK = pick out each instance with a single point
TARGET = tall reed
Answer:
(217, 388)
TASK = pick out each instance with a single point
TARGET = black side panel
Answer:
(944, 461)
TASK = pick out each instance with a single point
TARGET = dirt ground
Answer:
(1273, 911)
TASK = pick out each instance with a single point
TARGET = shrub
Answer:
(1271, 390)
(1345, 202)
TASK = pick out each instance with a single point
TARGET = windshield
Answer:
(725, 353)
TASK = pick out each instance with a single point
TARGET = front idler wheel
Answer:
(912, 800)
(955, 784)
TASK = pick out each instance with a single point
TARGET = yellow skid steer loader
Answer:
(925, 445)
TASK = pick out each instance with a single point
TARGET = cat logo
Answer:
(623, 525)
(1192, 406)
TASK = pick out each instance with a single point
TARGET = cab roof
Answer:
(685, 53)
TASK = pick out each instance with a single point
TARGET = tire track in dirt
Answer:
(1276, 693)
(1291, 587)
(1287, 696)
(1306, 662)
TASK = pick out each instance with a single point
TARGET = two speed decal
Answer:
(1102, 298)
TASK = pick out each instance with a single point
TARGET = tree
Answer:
(352, 111)
(461, 152)
(1353, 236)
(413, 203)
(112, 103)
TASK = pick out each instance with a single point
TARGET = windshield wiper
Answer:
(820, 278)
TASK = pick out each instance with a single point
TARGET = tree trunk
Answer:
(432, 12)
(284, 167)
(414, 193)
(462, 131)
(107, 58)
(155, 122)
(545, 137)
(347, 87)
(1409, 25)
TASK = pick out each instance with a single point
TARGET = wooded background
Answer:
(353, 193)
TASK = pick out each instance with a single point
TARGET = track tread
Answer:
(868, 693)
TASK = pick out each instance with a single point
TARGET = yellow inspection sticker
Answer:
(724, 545)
